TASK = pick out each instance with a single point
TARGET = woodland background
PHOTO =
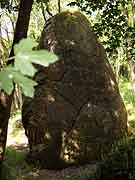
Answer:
(112, 20)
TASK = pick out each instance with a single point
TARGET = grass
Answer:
(15, 166)
(128, 96)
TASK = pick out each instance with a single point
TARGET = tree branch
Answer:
(43, 11)
(59, 6)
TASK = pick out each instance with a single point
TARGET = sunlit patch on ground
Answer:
(16, 134)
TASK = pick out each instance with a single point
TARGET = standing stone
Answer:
(77, 111)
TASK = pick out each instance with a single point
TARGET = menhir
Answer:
(77, 111)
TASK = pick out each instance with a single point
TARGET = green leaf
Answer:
(25, 56)
(24, 45)
(6, 81)
(24, 66)
(25, 83)
(9, 74)
(42, 57)
(28, 91)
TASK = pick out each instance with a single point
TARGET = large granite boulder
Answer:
(77, 111)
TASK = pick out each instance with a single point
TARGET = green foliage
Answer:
(113, 23)
(127, 95)
(120, 161)
(4, 3)
(110, 22)
(15, 167)
(9, 5)
(23, 69)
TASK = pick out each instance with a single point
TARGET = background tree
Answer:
(113, 22)
(5, 100)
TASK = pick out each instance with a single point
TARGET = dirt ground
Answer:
(18, 141)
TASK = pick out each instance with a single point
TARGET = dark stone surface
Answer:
(77, 111)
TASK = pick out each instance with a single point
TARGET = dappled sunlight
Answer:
(50, 98)
(16, 132)
(3, 99)
(47, 136)
(73, 119)
(71, 147)
(113, 83)
(15, 166)
(128, 96)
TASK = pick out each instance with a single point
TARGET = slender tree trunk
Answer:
(130, 58)
(5, 100)
(133, 12)
(43, 11)
(131, 66)
(117, 69)
(59, 6)
(22, 22)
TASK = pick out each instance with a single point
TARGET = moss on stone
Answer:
(65, 20)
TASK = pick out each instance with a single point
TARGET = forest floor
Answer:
(16, 167)
(15, 159)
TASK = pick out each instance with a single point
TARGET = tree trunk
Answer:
(5, 100)
(59, 6)
(130, 58)
(131, 66)
(22, 22)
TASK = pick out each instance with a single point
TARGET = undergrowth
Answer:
(15, 166)
(128, 95)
